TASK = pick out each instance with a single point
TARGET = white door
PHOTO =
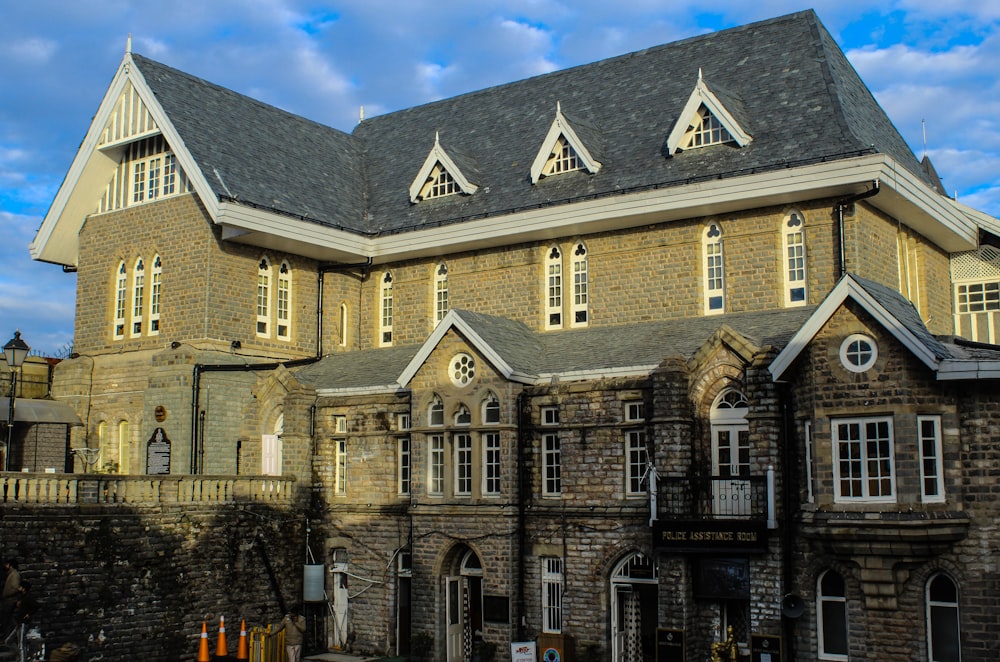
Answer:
(456, 620)
(731, 462)
(270, 455)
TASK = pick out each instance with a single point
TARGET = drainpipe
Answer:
(522, 507)
(841, 204)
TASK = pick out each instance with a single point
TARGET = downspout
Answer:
(321, 271)
(789, 505)
(522, 507)
(841, 204)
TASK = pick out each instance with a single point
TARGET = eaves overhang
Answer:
(966, 369)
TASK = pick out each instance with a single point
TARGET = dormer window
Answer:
(563, 149)
(707, 130)
(442, 175)
(563, 159)
(439, 184)
(705, 120)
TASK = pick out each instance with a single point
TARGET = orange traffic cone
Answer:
(203, 646)
(221, 650)
(243, 651)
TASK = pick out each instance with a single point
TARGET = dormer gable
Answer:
(562, 150)
(705, 120)
(440, 175)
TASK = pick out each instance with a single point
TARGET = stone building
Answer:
(620, 359)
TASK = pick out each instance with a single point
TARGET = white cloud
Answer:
(31, 51)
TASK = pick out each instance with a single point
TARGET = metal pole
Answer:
(10, 419)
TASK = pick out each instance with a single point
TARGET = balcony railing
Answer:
(141, 490)
(716, 498)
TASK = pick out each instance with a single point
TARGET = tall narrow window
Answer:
(793, 243)
(155, 284)
(139, 182)
(284, 302)
(124, 447)
(404, 460)
(491, 409)
(341, 466)
(263, 298)
(342, 331)
(435, 465)
(440, 292)
(551, 455)
(807, 433)
(581, 287)
(121, 292)
(138, 296)
(832, 617)
(155, 173)
(553, 289)
(944, 642)
(714, 270)
(863, 462)
(552, 594)
(637, 463)
(931, 462)
(385, 310)
(102, 445)
(435, 413)
(463, 464)
(491, 464)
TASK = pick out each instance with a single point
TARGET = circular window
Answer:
(462, 369)
(858, 352)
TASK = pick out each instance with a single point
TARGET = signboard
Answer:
(669, 645)
(522, 651)
(158, 453)
(765, 648)
(710, 535)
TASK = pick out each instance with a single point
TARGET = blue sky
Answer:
(929, 63)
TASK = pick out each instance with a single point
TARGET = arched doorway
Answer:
(634, 609)
(730, 455)
(463, 604)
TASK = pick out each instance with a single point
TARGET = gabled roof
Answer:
(522, 355)
(562, 127)
(700, 96)
(462, 169)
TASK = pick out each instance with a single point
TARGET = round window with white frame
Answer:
(462, 369)
(858, 352)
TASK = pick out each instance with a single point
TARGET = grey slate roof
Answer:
(563, 352)
(905, 313)
(786, 79)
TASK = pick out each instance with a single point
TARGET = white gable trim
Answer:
(849, 288)
(689, 115)
(439, 155)
(57, 238)
(454, 321)
(561, 127)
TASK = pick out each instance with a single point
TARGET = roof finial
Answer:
(361, 114)
(558, 106)
(923, 127)
(128, 44)
(437, 137)
(699, 74)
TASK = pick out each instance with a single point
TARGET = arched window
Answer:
(435, 413)
(138, 296)
(463, 416)
(342, 331)
(553, 289)
(385, 310)
(284, 303)
(731, 454)
(713, 262)
(793, 249)
(943, 625)
(491, 409)
(103, 447)
(440, 292)
(121, 292)
(831, 621)
(264, 298)
(155, 285)
(124, 447)
(581, 287)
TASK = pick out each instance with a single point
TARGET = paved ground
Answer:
(341, 657)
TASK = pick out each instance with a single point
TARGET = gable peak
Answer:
(562, 150)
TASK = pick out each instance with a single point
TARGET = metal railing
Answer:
(266, 646)
(716, 497)
(71, 489)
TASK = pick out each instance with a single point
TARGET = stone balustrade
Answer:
(141, 490)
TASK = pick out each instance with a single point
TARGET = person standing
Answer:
(294, 626)
(11, 592)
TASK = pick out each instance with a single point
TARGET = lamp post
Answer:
(15, 351)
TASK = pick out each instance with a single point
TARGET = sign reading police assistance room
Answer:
(711, 535)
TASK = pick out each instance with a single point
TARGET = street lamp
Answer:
(15, 351)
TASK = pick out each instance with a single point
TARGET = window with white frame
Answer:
(403, 458)
(563, 159)
(714, 270)
(341, 467)
(440, 292)
(435, 412)
(342, 331)
(138, 296)
(831, 622)
(581, 287)
(402, 422)
(635, 411)
(284, 303)
(491, 409)
(385, 310)
(264, 298)
(637, 462)
(435, 465)
(553, 584)
(863, 459)
(121, 292)
(931, 459)
(944, 638)
(807, 432)
(155, 291)
(491, 464)
(706, 130)
(793, 242)
(858, 352)
(553, 289)
(153, 170)
(339, 424)
(439, 184)
(463, 464)
(551, 455)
